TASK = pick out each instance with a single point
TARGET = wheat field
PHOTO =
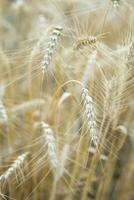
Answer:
(66, 100)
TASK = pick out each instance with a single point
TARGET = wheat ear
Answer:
(88, 106)
(49, 138)
(14, 167)
(51, 47)
(87, 41)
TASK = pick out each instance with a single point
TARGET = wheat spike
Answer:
(51, 47)
(88, 106)
(49, 138)
(88, 41)
(14, 167)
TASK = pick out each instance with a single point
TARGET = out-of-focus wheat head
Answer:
(66, 100)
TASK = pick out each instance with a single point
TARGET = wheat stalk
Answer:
(89, 68)
(28, 105)
(62, 161)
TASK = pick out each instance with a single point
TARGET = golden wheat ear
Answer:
(81, 42)
(48, 136)
(88, 106)
(12, 170)
(50, 47)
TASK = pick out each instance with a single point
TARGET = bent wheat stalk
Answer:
(89, 68)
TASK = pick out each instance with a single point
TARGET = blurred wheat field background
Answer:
(66, 99)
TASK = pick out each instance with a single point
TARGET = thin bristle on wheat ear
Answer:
(51, 47)
(88, 107)
(14, 167)
(48, 135)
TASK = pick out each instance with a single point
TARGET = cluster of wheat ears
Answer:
(66, 99)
